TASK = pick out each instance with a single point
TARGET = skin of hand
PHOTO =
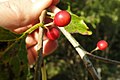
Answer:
(19, 15)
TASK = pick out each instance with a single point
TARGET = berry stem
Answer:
(49, 24)
(94, 50)
(50, 13)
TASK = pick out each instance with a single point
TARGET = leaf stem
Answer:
(36, 26)
(30, 30)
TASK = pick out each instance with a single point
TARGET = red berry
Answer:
(53, 33)
(102, 45)
(62, 18)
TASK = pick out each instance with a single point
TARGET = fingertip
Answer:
(49, 46)
(30, 57)
(32, 54)
(30, 41)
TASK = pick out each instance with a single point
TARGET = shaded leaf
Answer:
(77, 25)
(16, 56)
(6, 35)
(15, 65)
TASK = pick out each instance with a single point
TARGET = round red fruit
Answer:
(62, 18)
(102, 45)
(53, 33)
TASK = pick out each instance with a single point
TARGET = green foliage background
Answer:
(103, 19)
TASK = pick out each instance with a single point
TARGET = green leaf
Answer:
(6, 35)
(16, 56)
(77, 25)
(22, 51)
(15, 65)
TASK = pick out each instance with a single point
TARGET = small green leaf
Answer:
(77, 25)
(6, 35)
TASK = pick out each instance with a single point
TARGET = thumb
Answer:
(40, 5)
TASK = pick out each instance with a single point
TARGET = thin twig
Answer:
(81, 53)
(103, 59)
(38, 75)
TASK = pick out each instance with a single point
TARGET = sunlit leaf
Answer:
(77, 25)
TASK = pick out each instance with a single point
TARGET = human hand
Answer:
(19, 15)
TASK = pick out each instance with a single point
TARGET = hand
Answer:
(19, 15)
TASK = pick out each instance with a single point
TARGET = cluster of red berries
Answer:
(61, 19)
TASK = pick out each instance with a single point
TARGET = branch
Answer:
(40, 48)
(81, 53)
(103, 59)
